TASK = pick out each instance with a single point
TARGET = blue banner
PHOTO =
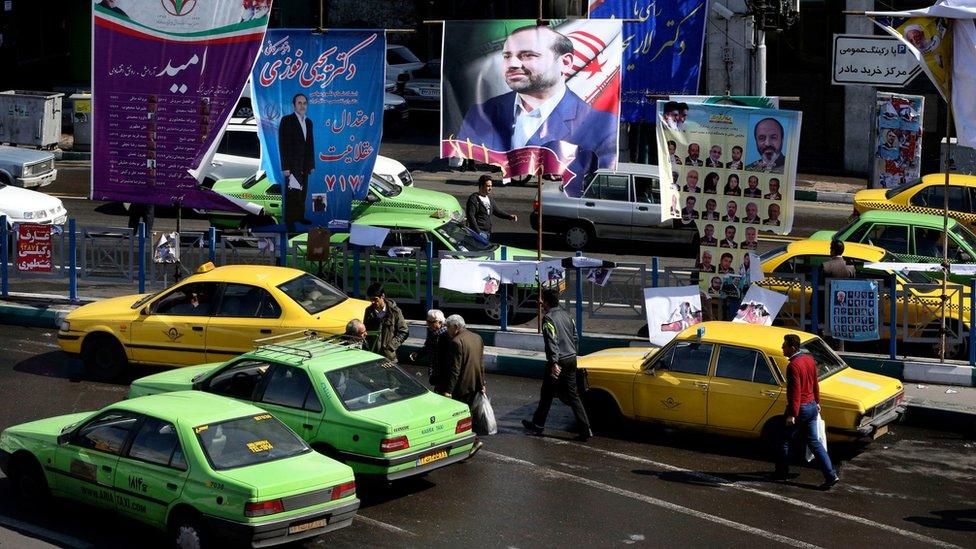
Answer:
(853, 307)
(662, 53)
(319, 105)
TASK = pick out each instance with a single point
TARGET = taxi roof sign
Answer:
(205, 268)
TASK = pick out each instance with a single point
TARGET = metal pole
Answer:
(893, 317)
(538, 242)
(283, 248)
(503, 318)
(430, 274)
(72, 262)
(4, 236)
(212, 243)
(814, 302)
(355, 271)
(579, 301)
(179, 230)
(142, 256)
(972, 325)
(654, 267)
(945, 224)
(760, 82)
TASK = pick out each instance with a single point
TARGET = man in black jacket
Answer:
(481, 207)
(383, 316)
(296, 145)
(435, 350)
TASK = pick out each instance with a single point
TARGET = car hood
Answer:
(334, 319)
(115, 308)
(870, 195)
(45, 430)
(424, 199)
(823, 235)
(308, 472)
(25, 156)
(424, 83)
(177, 379)
(14, 201)
(617, 359)
(859, 387)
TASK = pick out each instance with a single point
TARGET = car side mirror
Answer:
(144, 311)
(372, 198)
(65, 437)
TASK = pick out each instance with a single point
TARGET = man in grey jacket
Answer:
(559, 334)
(385, 320)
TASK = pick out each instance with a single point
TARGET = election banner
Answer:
(166, 75)
(758, 101)
(33, 248)
(853, 306)
(532, 99)
(662, 50)
(319, 105)
(759, 306)
(731, 171)
(899, 139)
(670, 310)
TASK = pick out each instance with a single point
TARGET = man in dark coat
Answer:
(465, 373)
(384, 318)
(296, 146)
(481, 206)
(435, 350)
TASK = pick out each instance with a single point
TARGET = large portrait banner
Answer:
(899, 145)
(853, 306)
(532, 99)
(319, 105)
(731, 171)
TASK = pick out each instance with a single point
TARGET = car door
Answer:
(927, 243)
(243, 315)
(674, 386)
(742, 390)
(893, 238)
(646, 207)
(174, 330)
(606, 203)
(86, 463)
(150, 475)
(289, 396)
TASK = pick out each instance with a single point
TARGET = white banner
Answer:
(670, 310)
(759, 306)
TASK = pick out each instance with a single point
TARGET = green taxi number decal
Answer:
(259, 446)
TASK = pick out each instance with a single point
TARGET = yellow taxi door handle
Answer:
(769, 393)
(701, 385)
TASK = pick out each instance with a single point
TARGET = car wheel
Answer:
(577, 236)
(104, 357)
(28, 482)
(186, 532)
(602, 410)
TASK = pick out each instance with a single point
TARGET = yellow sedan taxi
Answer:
(925, 195)
(919, 309)
(730, 378)
(213, 315)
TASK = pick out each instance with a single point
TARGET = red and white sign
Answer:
(34, 248)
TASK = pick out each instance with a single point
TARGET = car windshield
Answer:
(965, 235)
(399, 55)
(144, 300)
(890, 193)
(384, 187)
(827, 362)
(463, 239)
(313, 294)
(372, 384)
(247, 441)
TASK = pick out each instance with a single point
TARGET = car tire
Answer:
(28, 482)
(578, 235)
(104, 357)
(602, 410)
(186, 531)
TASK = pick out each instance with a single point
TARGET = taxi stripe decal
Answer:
(106, 486)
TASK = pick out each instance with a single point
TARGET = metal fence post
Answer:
(814, 302)
(4, 255)
(654, 266)
(72, 262)
(972, 326)
(355, 270)
(212, 243)
(503, 312)
(579, 301)
(893, 318)
(283, 245)
(430, 274)
(141, 235)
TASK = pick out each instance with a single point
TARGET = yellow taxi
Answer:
(730, 378)
(925, 195)
(919, 309)
(213, 315)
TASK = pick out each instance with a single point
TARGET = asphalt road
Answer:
(643, 486)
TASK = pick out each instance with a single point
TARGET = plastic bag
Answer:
(482, 416)
(820, 428)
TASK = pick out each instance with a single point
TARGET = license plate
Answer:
(429, 458)
(305, 526)
(429, 93)
(880, 432)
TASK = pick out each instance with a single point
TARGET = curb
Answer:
(829, 197)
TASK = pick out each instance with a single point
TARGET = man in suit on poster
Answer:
(296, 146)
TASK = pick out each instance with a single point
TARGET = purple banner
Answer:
(166, 76)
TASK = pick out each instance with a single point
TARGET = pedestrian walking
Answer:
(384, 317)
(481, 206)
(802, 411)
(465, 374)
(559, 335)
(435, 350)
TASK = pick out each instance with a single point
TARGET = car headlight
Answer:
(28, 215)
(386, 177)
(65, 326)
(28, 170)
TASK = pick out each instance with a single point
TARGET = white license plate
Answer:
(429, 93)
(306, 526)
(880, 432)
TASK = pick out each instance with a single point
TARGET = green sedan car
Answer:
(910, 237)
(383, 196)
(348, 404)
(201, 467)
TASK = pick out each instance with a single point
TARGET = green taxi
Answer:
(347, 403)
(383, 196)
(201, 467)
(402, 266)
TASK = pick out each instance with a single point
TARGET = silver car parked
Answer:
(622, 204)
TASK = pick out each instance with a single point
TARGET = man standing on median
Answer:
(435, 350)
(559, 334)
(385, 319)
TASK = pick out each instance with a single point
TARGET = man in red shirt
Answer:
(802, 410)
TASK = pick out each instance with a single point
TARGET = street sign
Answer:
(872, 61)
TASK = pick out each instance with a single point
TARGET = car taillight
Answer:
(535, 205)
(263, 508)
(463, 425)
(394, 444)
(900, 398)
(344, 490)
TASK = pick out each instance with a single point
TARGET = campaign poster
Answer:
(731, 171)
(853, 308)
(166, 75)
(319, 107)
(532, 99)
(759, 306)
(898, 155)
(761, 102)
(670, 310)
(662, 50)
(33, 248)
(930, 41)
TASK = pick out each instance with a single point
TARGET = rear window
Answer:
(247, 441)
(373, 384)
(892, 192)
(775, 252)
(313, 294)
